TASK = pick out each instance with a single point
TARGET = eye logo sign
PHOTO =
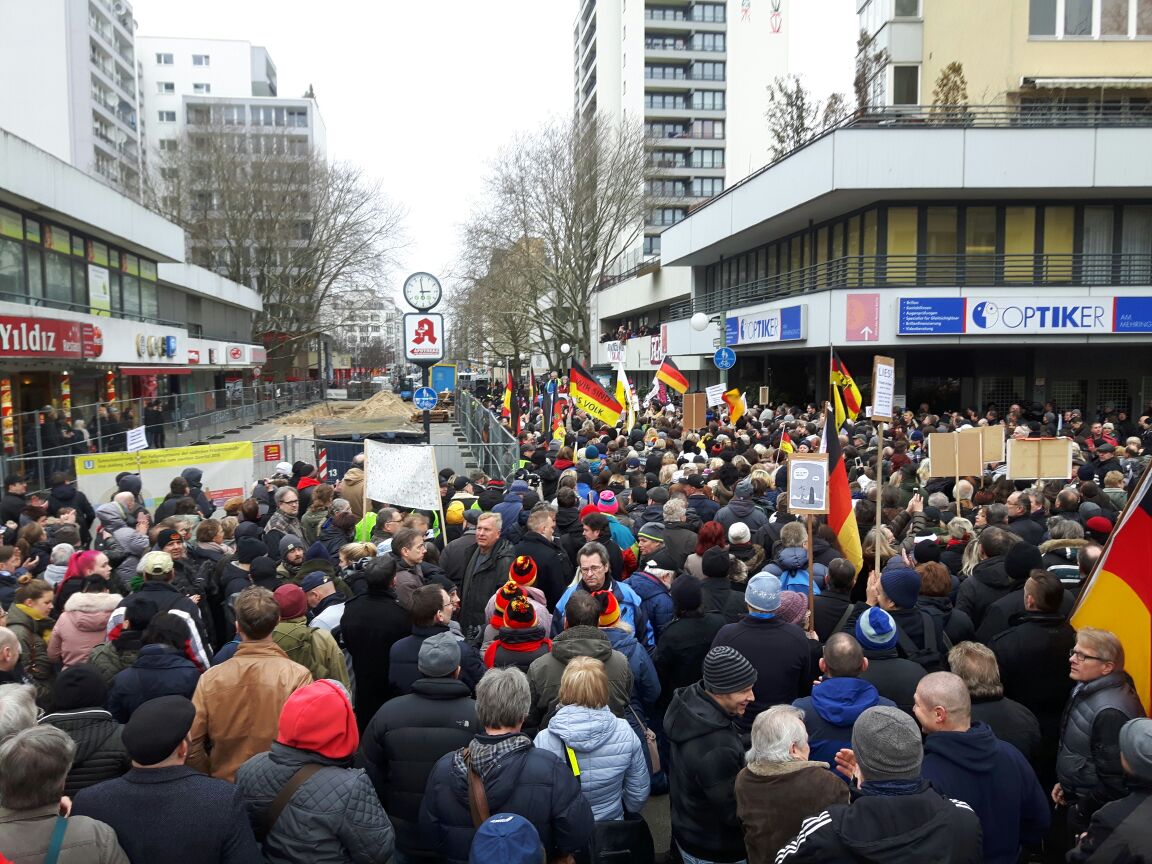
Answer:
(984, 314)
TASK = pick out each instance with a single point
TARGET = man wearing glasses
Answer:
(1102, 701)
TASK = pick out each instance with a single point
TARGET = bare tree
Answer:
(562, 205)
(950, 97)
(870, 62)
(795, 117)
(316, 240)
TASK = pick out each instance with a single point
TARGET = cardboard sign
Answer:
(808, 483)
(695, 408)
(1039, 459)
(883, 388)
(953, 454)
(763, 396)
(715, 394)
(991, 442)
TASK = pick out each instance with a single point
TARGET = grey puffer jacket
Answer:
(334, 818)
(134, 544)
(613, 773)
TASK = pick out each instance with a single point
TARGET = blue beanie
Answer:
(876, 630)
(902, 585)
(590, 452)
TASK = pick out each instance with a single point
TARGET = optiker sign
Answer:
(998, 316)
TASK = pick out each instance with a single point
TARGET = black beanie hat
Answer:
(715, 563)
(80, 686)
(1021, 560)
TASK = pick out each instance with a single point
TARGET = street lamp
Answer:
(700, 322)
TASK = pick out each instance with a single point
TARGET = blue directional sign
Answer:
(424, 399)
(725, 358)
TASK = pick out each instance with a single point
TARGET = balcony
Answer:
(937, 271)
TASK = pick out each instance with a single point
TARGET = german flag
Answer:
(671, 375)
(589, 396)
(1118, 594)
(736, 407)
(845, 393)
(786, 445)
(506, 409)
(841, 513)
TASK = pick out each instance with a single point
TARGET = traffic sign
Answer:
(725, 358)
(424, 398)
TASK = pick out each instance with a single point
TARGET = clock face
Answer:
(422, 291)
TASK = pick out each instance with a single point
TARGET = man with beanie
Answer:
(742, 509)
(681, 650)
(520, 639)
(893, 676)
(431, 615)
(163, 810)
(966, 761)
(896, 816)
(238, 703)
(291, 557)
(707, 754)
(919, 631)
(651, 542)
(777, 650)
(80, 693)
(718, 594)
(333, 814)
(1021, 561)
(841, 697)
(1121, 830)
(312, 647)
(403, 742)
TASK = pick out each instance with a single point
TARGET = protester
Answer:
(1009, 721)
(485, 572)
(431, 613)
(124, 640)
(520, 640)
(30, 619)
(371, 624)
(893, 676)
(312, 647)
(79, 711)
(162, 668)
(680, 653)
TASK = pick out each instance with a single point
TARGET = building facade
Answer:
(69, 68)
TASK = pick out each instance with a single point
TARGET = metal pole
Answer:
(427, 417)
(724, 344)
(879, 490)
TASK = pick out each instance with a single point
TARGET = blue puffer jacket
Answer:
(655, 600)
(793, 558)
(646, 683)
(158, 671)
(613, 773)
(630, 610)
(509, 509)
(830, 712)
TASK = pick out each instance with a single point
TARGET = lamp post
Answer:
(700, 322)
(566, 353)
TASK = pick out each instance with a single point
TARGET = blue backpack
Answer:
(797, 580)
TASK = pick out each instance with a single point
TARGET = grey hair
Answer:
(962, 490)
(125, 499)
(675, 509)
(339, 505)
(502, 698)
(61, 552)
(593, 548)
(283, 492)
(17, 701)
(938, 500)
(1060, 528)
(33, 765)
(774, 732)
(491, 517)
(959, 527)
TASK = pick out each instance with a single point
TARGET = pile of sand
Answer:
(383, 404)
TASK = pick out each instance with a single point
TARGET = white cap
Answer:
(284, 468)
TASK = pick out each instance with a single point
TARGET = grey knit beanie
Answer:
(887, 744)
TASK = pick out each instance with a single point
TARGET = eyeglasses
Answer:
(589, 571)
(1081, 656)
(290, 501)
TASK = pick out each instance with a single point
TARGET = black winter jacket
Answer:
(681, 650)
(158, 671)
(987, 584)
(999, 615)
(1033, 660)
(333, 818)
(707, 754)
(403, 742)
(100, 754)
(910, 828)
(533, 783)
(1012, 723)
(722, 598)
(553, 569)
(370, 625)
(1120, 831)
(403, 657)
(893, 676)
(483, 577)
(780, 654)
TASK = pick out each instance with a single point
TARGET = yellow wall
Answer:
(990, 37)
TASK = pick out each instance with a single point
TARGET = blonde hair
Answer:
(1103, 643)
(585, 682)
(355, 551)
(228, 527)
(666, 473)
(976, 665)
(1114, 480)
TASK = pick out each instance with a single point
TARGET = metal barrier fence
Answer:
(497, 453)
(51, 444)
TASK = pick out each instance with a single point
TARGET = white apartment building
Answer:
(193, 81)
(70, 87)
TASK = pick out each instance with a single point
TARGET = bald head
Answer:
(126, 500)
(843, 656)
(942, 703)
(9, 649)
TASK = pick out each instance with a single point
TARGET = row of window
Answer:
(974, 244)
(701, 100)
(701, 158)
(164, 58)
(698, 187)
(1090, 19)
(698, 71)
(235, 115)
(695, 129)
(170, 87)
(710, 12)
(697, 42)
(50, 266)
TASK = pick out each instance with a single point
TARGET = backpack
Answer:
(296, 641)
(797, 580)
(928, 656)
(106, 543)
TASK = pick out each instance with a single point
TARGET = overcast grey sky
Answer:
(422, 94)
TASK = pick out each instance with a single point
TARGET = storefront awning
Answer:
(1092, 83)
(155, 370)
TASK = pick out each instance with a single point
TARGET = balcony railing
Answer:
(936, 271)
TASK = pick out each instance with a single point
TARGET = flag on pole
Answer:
(626, 396)
(506, 410)
(531, 389)
(547, 404)
(559, 417)
(652, 393)
(671, 375)
(841, 510)
(737, 408)
(786, 445)
(1118, 594)
(589, 396)
(845, 393)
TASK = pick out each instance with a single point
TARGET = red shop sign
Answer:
(42, 337)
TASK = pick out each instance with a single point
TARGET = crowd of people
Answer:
(302, 674)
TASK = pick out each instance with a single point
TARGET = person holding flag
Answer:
(737, 407)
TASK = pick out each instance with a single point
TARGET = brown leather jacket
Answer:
(238, 706)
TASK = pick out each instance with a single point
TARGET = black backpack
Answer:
(928, 656)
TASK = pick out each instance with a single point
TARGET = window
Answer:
(666, 215)
(708, 12)
(163, 59)
(708, 129)
(702, 71)
(1078, 18)
(11, 269)
(58, 281)
(980, 245)
(902, 244)
(298, 117)
(907, 8)
(1019, 243)
(1144, 17)
(1136, 245)
(708, 42)
(1097, 245)
(166, 116)
(665, 72)
(706, 187)
(940, 238)
(201, 60)
(707, 158)
(1042, 18)
(905, 85)
(666, 101)
(165, 86)
(1059, 240)
(708, 100)
(202, 89)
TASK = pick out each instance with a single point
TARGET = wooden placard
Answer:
(953, 454)
(695, 411)
(991, 442)
(764, 393)
(883, 388)
(808, 483)
(1039, 459)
